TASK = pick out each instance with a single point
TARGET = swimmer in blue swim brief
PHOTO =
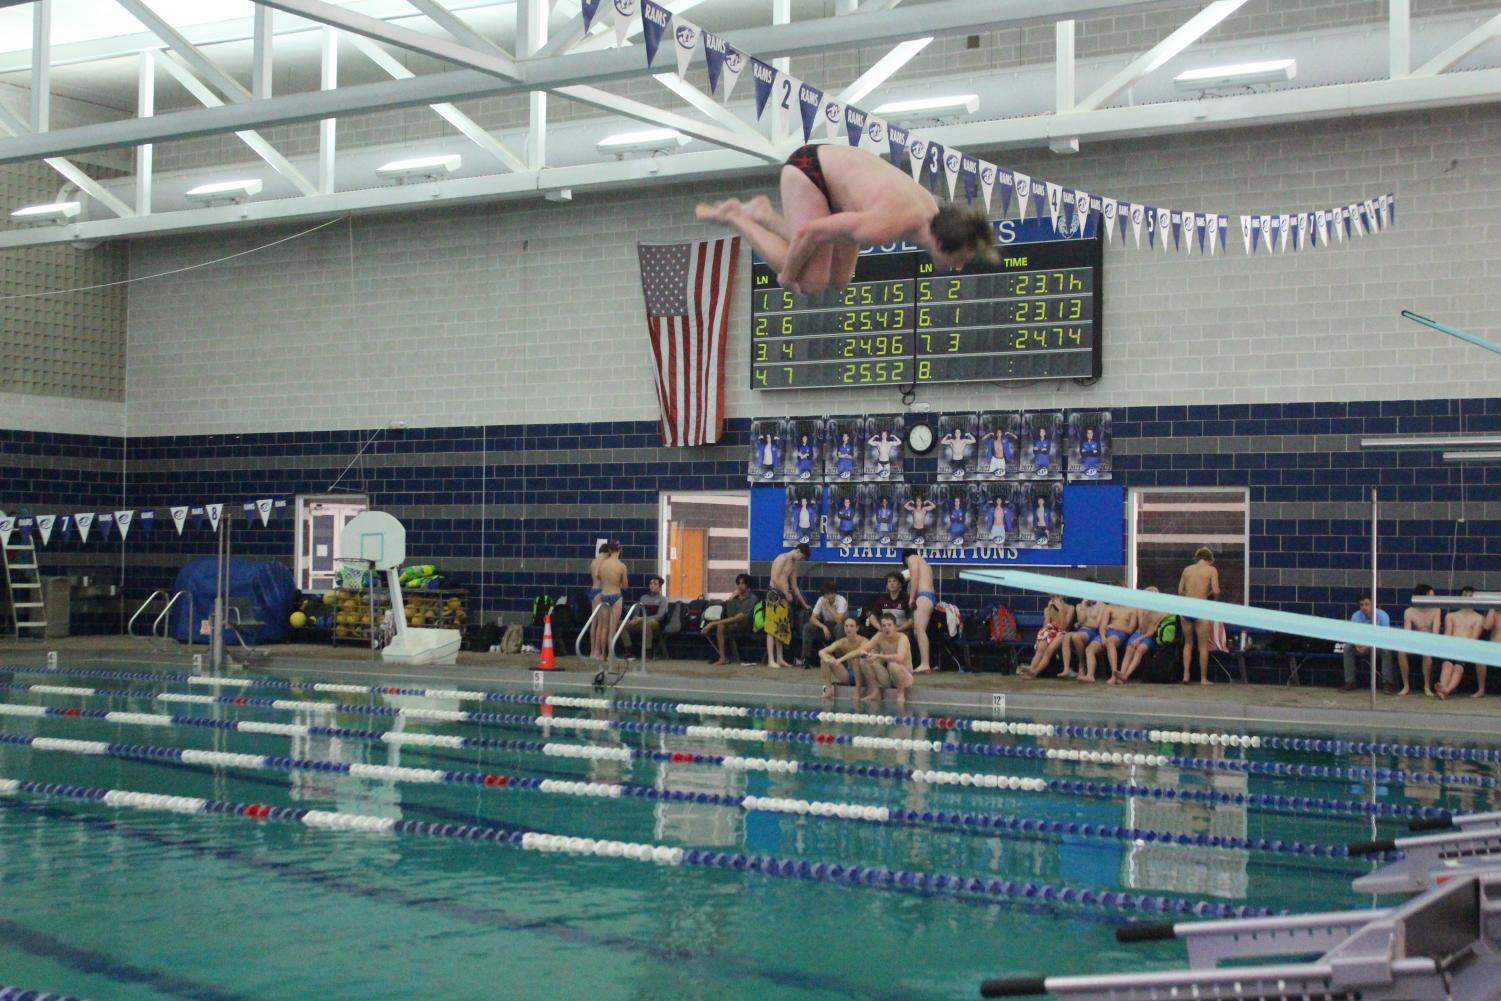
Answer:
(1142, 642)
(924, 600)
(1119, 623)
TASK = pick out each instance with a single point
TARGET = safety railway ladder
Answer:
(23, 588)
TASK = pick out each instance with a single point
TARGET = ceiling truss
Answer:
(574, 64)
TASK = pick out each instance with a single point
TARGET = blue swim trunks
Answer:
(593, 593)
(926, 594)
(1117, 634)
(1142, 639)
(610, 599)
(1092, 635)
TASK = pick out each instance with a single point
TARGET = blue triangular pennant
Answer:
(1006, 181)
(896, 142)
(809, 100)
(764, 75)
(714, 51)
(969, 169)
(655, 20)
(590, 8)
(854, 124)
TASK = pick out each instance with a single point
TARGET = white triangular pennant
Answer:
(1245, 232)
(951, 160)
(1023, 193)
(263, 508)
(1321, 220)
(1108, 208)
(686, 34)
(917, 155)
(7, 525)
(1283, 220)
(84, 521)
(1052, 196)
(179, 516)
(987, 182)
(734, 65)
(44, 523)
(214, 512)
(123, 520)
(627, 14)
(1138, 216)
(1356, 226)
(833, 117)
(1164, 226)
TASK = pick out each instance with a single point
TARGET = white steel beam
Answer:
(328, 127)
(493, 62)
(237, 29)
(458, 27)
(1158, 55)
(190, 53)
(707, 105)
(882, 69)
(12, 124)
(41, 65)
(531, 37)
(1454, 53)
(820, 35)
(145, 108)
(755, 145)
(610, 175)
(1399, 38)
(1063, 82)
(1374, 97)
(262, 61)
(466, 125)
(249, 137)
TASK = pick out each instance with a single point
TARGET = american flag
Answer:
(687, 288)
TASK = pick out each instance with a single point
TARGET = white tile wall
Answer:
(506, 314)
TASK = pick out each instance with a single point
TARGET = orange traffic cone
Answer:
(547, 663)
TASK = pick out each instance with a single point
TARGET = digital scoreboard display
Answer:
(901, 321)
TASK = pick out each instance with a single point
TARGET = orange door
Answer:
(687, 567)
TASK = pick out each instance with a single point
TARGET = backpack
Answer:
(1167, 630)
(758, 617)
(510, 640)
(541, 605)
(977, 627)
(1003, 626)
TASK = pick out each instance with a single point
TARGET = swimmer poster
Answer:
(1053, 525)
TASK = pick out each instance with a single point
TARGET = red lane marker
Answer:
(681, 756)
(824, 738)
(393, 691)
(258, 810)
(70, 712)
(240, 700)
(497, 780)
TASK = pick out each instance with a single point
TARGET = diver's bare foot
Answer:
(1404, 691)
(828, 693)
(1085, 680)
(1205, 681)
(721, 662)
(759, 208)
(718, 211)
(1478, 695)
(874, 700)
(922, 669)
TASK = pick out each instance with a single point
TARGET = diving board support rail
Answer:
(1438, 946)
(1430, 859)
(1337, 630)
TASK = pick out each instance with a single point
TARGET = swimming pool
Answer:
(786, 855)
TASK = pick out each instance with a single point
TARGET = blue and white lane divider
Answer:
(1134, 735)
(1274, 769)
(1300, 805)
(22, 994)
(969, 820)
(765, 865)
(1105, 790)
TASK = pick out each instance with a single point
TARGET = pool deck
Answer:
(1306, 709)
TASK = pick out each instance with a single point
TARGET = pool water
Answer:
(111, 903)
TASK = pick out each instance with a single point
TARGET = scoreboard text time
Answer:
(1034, 315)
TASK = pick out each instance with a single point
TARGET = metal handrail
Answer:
(160, 632)
(578, 641)
(130, 626)
(610, 653)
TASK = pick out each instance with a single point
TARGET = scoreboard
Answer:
(1034, 315)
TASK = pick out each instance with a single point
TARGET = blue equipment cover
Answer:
(264, 585)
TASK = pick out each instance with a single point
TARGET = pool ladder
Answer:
(159, 625)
